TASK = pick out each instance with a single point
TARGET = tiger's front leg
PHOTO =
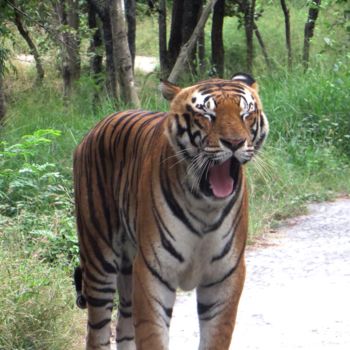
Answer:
(153, 300)
(217, 304)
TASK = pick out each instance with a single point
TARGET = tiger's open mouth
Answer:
(221, 179)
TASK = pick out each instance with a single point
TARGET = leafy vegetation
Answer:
(37, 305)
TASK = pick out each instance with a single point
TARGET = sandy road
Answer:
(297, 291)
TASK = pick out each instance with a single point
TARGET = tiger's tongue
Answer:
(221, 182)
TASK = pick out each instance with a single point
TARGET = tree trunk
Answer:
(95, 45)
(187, 49)
(217, 42)
(95, 52)
(162, 32)
(66, 73)
(130, 12)
(175, 39)
(73, 38)
(102, 9)
(262, 46)
(249, 30)
(122, 54)
(112, 80)
(309, 30)
(67, 11)
(2, 100)
(287, 31)
(201, 53)
(191, 12)
(32, 48)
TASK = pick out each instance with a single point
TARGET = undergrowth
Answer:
(37, 305)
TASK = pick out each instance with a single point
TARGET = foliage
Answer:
(37, 305)
(29, 187)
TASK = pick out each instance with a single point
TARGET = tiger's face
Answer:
(215, 126)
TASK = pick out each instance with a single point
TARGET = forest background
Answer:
(65, 64)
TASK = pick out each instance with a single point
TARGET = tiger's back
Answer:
(107, 166)
(161, 203)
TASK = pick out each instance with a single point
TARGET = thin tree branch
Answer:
(187, 48)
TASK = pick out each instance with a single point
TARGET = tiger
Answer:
(161, 204)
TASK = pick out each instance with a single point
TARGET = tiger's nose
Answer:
(233, 144)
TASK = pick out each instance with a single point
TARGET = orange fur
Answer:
(152, 215)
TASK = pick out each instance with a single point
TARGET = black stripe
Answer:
(203, 308)
(180, 130)
(255, 133)
(98, 302)
(104, 290)
(106, 266)
(93, 278)
(125, 304)
(191, 136)
(115, 131)
(155, 273)
(172, 203)
(104, 199)
(137, 138)
(124, 339)
(184, 152)
(99, 325)
(210, 317)
(162, 229)
(206, 308)
(91, 202)
(227, 274)
(125, 314)
(167, 311)
(126, 270)
(228, 245)
(165, 242)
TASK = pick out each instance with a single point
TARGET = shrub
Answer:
(37, 305)
(38, 197)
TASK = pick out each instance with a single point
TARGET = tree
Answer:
(2, 92)
(102, 9)
(309, 30)
(122, 54)
(17, 18)
(3, 57)
(175, 39)
(162, 37)
(95, 49)
(249, 30)
(217, 41)
(262, 46)
(68, 17)
(287, 31)
(184, 18)
(191, 12)
(186, 49)
(130, 13)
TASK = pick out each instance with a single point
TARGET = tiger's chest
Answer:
(203, 255)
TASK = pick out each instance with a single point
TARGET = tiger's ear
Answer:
(169, 90)
(246, 79)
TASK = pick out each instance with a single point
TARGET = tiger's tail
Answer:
(78, 282)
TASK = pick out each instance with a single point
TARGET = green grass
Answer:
(37, 305)
(307, 145)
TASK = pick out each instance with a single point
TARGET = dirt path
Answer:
(297, 291)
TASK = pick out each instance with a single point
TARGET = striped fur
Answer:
(161, 203)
